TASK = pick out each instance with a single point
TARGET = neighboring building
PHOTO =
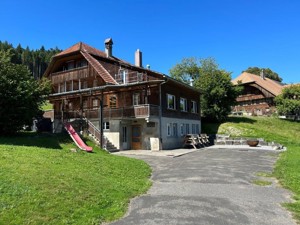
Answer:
(139, 108)
(258, 94)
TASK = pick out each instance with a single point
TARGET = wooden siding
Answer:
(255, 100)
(180, 92)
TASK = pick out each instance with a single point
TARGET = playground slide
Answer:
(76, 138)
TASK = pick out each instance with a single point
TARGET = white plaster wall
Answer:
(113, 134)
(171, 142)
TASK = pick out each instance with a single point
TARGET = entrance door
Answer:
(136, 139)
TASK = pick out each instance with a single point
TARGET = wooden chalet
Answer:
(129, 106)
(258, 94)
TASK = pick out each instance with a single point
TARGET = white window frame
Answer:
(106, 125)
(123, 75)
(172, 98)
(194, 108)
(183, 104)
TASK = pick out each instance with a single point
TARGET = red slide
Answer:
(76, 138)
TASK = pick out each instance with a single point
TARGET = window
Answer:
(171, 101)
(106, 126)
(172, 129)
(113, 101)
(169, 125)
(197, 129)
(95, 103)
(194, 107)
(70, 65)
(122, 76)
(81, 63)
(193, 128)
(84, 84)
(182, 129)
(70, 86)
(174, 133)
(85, 104)
(136, 99)
(70, 105)
(187, 127)
(61, 87)
(183, 104)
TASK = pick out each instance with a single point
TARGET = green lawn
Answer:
(287, 169)
(47, 106)
(43, 182)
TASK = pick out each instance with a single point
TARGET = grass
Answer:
(43, 182)
(262, 182)
(287, 133)
(263, 174)
(47, 106)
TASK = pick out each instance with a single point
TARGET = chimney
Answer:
(108, 47)
(262, 75)
(138, 58)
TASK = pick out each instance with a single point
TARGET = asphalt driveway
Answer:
(212, 186)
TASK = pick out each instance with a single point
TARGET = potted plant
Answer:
(252, 142)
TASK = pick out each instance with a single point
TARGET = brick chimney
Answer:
(108, 47)
(138, 58)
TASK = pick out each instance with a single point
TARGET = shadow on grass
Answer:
(236, 119)
(213, 127)
(44, 140)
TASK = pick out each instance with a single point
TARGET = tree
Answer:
(186, 70)
(20, 95)
(36, 60)
(217, 92)
(267, 72)
(288, 102)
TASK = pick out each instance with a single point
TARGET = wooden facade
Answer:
(89, 85)
(258, 95)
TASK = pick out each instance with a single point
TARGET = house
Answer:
(258, 94)
(135, 107)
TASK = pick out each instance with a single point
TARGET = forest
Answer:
(36, 60)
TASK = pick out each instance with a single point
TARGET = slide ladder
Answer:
(76, 138)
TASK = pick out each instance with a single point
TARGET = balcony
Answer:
(131, 112)
(69, 75)
(130, 77)
(137, 111)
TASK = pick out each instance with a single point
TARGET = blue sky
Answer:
(237, 33)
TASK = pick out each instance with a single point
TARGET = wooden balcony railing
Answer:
(68, 75)
(137, 111)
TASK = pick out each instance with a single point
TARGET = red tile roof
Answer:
(268, 84)
(80, 46)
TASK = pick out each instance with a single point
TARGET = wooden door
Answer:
(136, 137)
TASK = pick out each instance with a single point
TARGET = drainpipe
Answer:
(160, 111)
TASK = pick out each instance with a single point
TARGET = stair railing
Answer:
(92, 129)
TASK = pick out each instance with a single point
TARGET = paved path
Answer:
(211, 186)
